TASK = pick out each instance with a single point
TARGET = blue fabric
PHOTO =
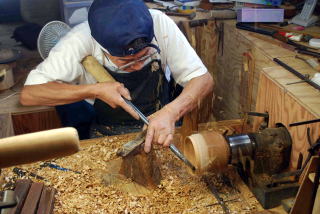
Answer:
(79, 115)
(115, 24)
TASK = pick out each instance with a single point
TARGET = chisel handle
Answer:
(92, 66)
(38, 146)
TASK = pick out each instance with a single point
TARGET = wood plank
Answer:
(303, 203)
(203, 39)
(46, 203)
(304, 94)
(270, 99)
(21, 191)
(229, 70)
(32, 200)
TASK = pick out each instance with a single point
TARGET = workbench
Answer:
(97, 190)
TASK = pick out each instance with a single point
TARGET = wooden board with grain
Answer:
(36, 121)
(203, 39)
(238, 69)
(32, 200)
(228, 75)
(46, 203)
(288, 104)
(21, 190)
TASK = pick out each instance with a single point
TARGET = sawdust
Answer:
(178, 192)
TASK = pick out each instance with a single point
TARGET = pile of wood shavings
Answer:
(179, 192)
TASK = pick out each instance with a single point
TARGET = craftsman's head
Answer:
(122, 27)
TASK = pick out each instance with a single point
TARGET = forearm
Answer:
(54, 93)
(191, 96)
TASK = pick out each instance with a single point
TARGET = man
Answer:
(119, 32)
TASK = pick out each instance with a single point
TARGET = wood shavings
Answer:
(178, 192)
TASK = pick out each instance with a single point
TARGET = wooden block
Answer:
(46, 202)
(32, 200)
(142, 168)
(112, 176)
(21, 191)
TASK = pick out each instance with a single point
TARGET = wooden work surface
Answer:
(89, 192)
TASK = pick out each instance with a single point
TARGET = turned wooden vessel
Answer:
(207, 151)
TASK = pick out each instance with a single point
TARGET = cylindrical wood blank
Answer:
(207, 151)
(38, 146)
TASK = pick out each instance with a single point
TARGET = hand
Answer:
(161, 128)
(113, 93)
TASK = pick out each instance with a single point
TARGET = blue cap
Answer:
(116, 24)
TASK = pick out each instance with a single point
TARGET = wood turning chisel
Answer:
(172, 147)
(101, 75)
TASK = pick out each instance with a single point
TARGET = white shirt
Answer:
(64, 61)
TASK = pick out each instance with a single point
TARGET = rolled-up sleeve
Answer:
(179, 56)
(64, 61)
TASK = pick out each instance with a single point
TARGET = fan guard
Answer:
(49, 36)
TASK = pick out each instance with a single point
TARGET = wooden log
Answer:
(21, 191)
(207, 151)
(142, 168)
(46, 203)
(32, 200)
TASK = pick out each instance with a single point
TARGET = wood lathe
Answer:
(259, 157)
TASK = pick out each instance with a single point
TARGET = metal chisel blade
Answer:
(127, 148)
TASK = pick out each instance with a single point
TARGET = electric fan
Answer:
(49, 36)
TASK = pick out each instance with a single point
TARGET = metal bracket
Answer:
(9, 199)
(265, 123)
